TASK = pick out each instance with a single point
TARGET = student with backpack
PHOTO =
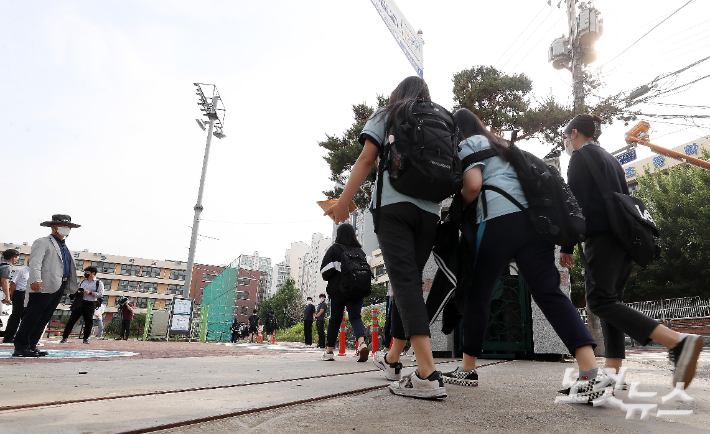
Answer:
(416, 142)
(254, 323)
(270, 326)
(348, 274)
(504, 232)
(597, 180)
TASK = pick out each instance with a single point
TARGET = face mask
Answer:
(309, 302)
(64, 231)
(322, 300)
(569, 148)
(87, 275)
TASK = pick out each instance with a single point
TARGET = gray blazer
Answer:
(46, 266)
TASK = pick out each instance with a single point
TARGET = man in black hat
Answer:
(52, 274)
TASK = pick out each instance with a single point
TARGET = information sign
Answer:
(181, 316)
(403, 32)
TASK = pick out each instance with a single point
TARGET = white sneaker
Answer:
(328, 357)
(363, 352)
(411, 385)
(393, 371)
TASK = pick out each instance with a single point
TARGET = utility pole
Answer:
(575, 51)
(209, 110)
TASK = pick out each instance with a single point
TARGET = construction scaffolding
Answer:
(218, 301)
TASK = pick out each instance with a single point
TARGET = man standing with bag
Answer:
(52, 274)
(308, 314)
(320, 320)
(594, 175)
(18, 292)
(84, 303)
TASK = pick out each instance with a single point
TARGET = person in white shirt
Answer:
(99, 320)
(90, 289)
(18, 286)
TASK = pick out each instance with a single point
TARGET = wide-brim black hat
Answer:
(60, 219)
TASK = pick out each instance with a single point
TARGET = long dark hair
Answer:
(410, 89)
(588, 125)
(470, 125)
(346, 235)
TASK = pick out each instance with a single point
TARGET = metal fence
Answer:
(668, 310)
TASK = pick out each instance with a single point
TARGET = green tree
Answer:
(679, 202)
(343, 151)
(379, 295)
(286, 304)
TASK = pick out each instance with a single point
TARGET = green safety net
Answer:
(219, 296)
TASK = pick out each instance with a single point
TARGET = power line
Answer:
(521, 34)
(644, 35)
(529, 36)
(538, 42)
(666, 104)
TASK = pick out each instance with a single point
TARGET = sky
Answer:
(97, 105)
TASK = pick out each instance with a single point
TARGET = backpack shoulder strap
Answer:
(478, 156)
(599, 179)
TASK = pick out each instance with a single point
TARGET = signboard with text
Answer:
(403, 33)
(181, 316)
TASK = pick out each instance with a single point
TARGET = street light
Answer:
(214, 111)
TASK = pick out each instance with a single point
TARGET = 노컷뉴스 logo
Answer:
(645, 215)
(631, 408)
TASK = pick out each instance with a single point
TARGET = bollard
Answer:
(375, 330)
(258, 337)
(273, 338)
(342, 336)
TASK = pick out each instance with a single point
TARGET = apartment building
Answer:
(261, 264)
(249, 286)
(310, 282)
(202, 275)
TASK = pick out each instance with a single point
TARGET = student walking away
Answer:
(52, 274)
(349, 278)
(126, 310)
(597, 180)
(406, 202)
(99, 317)
(254, 323)
(309, 313)
(271, 324)
(504, 232)
(84, 303)
(235, 331)
(14, 292)
(321, 311)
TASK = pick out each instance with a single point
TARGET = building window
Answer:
(208, 277)
(244, 281)
(245, 310)
(104, 267)
(130, 270)
(379, 271)
(177, 274)
(58, 314)
(79, 264)
(127, 285)
(149, 287)
(107, 284)
(168, 303)
(242, 295)
(142, 302)
(175, 289)
(150, 272)
(21, 260)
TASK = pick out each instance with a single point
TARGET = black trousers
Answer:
(125, 328)
(406, 235)
(18, 308)
(610, 268)
(86, 312)
(38, 312)
(320, 326)
(337, 305)
(308, 332)
(507, 237)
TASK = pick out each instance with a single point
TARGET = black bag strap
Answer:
(478, 156)
(599, 179)
(382, 155)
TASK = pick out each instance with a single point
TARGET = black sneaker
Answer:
(684, 356)
(86, 341)
(461, 377)
(431, 387)
(25, 353)
(63, 341)
(39, 353)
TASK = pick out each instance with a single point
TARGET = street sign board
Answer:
(627, 156)
(403, 33)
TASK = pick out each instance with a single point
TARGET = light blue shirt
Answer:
(375, 128)
(496, 172)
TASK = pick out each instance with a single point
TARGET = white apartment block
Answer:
(282, 271)
(256, 262)
(309, 280)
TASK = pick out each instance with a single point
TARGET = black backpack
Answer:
(271, 321)
(552, 207)
(355, 273)
(631, 222)
(422, 161)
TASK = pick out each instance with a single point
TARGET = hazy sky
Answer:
(97, 104)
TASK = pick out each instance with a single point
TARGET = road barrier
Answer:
(375, 332)
(342, 336)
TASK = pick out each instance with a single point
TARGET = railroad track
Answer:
(196, 421)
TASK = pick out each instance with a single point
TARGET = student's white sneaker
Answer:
(411, 385)
(393, 371)
(327, 356)
(363, 352)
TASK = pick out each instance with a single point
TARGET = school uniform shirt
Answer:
(92, 286)
(20, 278)
(495, 172)
(374, 131)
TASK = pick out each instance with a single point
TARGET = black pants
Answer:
(86, 312)
(610, 267)
(406, 235)
(354, 306)
(320, 326)
(38, 312)
(18, 308)
(308, 332)
(507, 237)
(125, 328)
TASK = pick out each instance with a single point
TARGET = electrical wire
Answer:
(528, 38)
(519, 35)
(679, 105)
(644, 35)
(538, 42)
(260, 223)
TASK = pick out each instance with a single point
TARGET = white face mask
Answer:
(63, 231)
(309, 302)
(569, 148)
(322, 300)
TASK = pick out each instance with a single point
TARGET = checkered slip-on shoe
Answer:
(459, 377)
